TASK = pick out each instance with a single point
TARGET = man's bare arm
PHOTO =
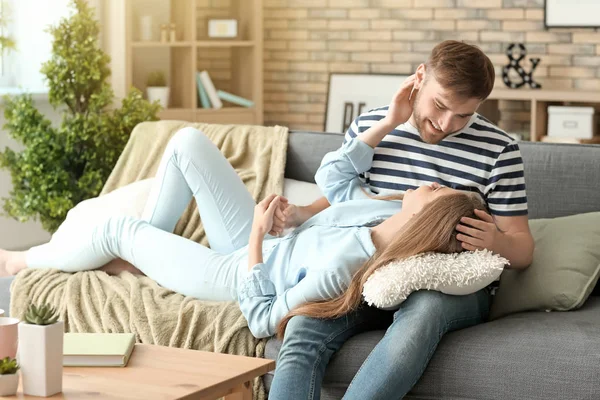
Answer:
(515, 241)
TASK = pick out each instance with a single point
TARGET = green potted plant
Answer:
(157, 89)
(60, 166)
(9, 379)
(41, 351)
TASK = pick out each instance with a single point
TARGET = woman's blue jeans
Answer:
(191, 166)
(394, 365)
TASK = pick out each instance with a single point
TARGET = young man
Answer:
(430, 135)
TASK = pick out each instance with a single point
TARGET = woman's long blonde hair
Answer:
(432, 229)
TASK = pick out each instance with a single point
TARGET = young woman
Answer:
(269, 276)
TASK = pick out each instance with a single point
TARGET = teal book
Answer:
(204, 101)
(232, 98)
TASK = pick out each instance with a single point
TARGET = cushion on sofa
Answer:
(299, 192)
(565, 268)
(128, 200)
(455, 273)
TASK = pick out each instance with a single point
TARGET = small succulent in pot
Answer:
(43, 314)
(9, 379)
(8, 366)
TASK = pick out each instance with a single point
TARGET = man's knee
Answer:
(425, 302)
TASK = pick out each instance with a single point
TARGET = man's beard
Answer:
(422, 125)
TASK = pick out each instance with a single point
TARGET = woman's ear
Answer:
(419, 76)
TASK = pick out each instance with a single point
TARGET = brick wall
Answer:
(306, 40)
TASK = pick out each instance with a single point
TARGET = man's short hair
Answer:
(462, 69)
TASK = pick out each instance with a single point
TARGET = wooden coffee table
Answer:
(157, 372)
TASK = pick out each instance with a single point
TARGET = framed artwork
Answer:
(572, 14)
(349, 95)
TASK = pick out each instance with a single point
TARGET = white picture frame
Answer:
(572, 14)
(350, 95)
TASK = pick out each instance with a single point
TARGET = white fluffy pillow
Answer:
(455, 273)
(127, 200)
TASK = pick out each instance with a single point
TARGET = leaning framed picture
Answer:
(349, 95)
(572, 14)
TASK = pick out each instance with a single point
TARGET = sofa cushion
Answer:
(128, 200)
(565, 268)
(299, 192)
(536, 355)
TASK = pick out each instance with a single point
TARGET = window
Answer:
(27, 26)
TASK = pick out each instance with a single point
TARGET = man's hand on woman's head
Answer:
(478, 234)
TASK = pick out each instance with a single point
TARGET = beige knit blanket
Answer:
(96, 302)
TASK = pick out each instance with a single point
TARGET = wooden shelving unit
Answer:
(180, 61)
(539, 100)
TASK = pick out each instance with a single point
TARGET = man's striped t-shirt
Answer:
(480, 158)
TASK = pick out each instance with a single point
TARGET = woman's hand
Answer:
(288, 216)
(264, 213)
(401, 105)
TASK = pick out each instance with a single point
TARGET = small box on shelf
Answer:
(571, 122)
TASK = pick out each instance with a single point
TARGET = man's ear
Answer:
(420, 76)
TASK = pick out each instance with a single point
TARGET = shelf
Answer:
(184, 114)
(539, 100)
(224, 43)
(225, 110)
(235, 64)
(579, 96)
(161, 44)
(198, 43)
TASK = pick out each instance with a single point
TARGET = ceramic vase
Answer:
(40, 357)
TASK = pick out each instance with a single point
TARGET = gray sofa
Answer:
(534, 355)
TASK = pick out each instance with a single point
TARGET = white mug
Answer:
(9, 336)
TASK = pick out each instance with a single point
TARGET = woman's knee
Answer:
(188, 139)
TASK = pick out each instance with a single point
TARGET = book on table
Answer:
(97, 349)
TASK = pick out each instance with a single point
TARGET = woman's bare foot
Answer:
(116, 266)
(11, 262)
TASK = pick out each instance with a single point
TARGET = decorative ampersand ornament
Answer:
(514, 64)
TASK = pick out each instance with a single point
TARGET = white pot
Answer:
(158, 93)
(41, 358)
(9, 384)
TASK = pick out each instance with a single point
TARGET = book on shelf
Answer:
(97, 349)
(232, 98)
(558, 139)
(204, 101)
(211, 92)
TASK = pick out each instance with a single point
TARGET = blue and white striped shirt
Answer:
(480, 158)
